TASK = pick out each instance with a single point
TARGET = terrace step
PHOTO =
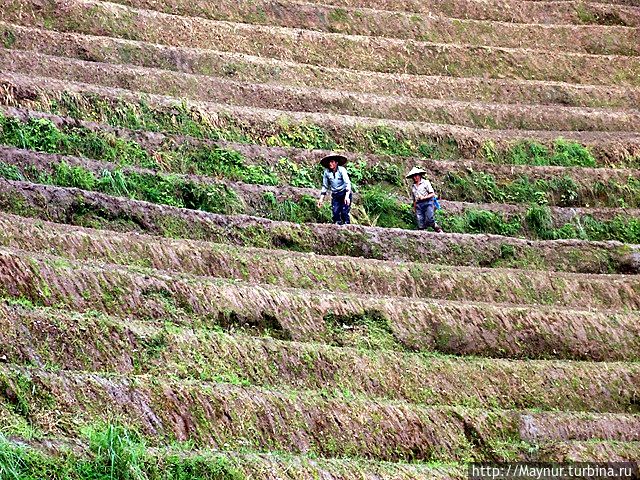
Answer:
(394, 323)
(612, 185)
(605, 2)
(30, 164)
(214, 415)
(576, 451)
(194, 67)
(86, 208)
(594, 39)
(343, 274)
(264, 126)
(159, 463)
(92, 342)
(304, 46)
(258, 200)
(452, 112)
(561, 11)
(257, 343)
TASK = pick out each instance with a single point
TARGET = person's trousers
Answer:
(339, 210)
(425, 214)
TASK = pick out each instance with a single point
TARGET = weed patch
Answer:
(563, 153)
(156, 188)
(182, 119)
(539, 223)
(381, 208)
(42, 135)
(304, 210)
(480, 187)
(8, 38)
(479, 221)
(370, 330)
(115, 453)
(223, 163)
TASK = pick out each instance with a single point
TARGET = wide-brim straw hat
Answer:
(415, 171)
(341, 159)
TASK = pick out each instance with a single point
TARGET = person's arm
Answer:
(325, 188)
(431, 193)
(347, 181)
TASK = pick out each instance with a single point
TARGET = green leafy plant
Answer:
(479, 221)
(527, 152)
(118, 454)
(299, 175)
(568, 154)
(384, 210)
(538, 220)
(10, 172)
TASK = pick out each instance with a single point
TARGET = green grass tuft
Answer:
(479, 221)
(115, 453)
(564, 153)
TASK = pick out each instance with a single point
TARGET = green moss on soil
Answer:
(183, 119)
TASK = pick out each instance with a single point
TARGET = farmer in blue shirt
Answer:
(336, 179)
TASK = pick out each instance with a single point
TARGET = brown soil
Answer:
(33, 92)
(96, 343)
(422, 325)
(296, 422)
(304, 46)
(471, 114)
(300, 270)
(262, 70)
(594, 39)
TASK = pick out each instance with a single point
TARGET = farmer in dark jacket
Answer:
(336, 179)
(423, 200)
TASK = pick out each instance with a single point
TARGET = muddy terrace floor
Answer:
(174, 305)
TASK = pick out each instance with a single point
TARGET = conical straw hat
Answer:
(415, 171)
(341, 159)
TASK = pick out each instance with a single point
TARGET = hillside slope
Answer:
(174, 304)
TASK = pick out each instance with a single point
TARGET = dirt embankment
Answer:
(304, 46)
(591, 38)
(344, 274)
(194, 73)
(79, 207)
(214, 415)
(382, 322)
(302, 99)
(576, 451)
(621, 12)
(71, 341)
(94, 209)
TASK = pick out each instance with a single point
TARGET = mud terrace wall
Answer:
(174, 304)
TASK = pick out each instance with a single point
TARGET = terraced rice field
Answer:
(174, 304)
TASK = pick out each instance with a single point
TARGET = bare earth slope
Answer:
(174, 304)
